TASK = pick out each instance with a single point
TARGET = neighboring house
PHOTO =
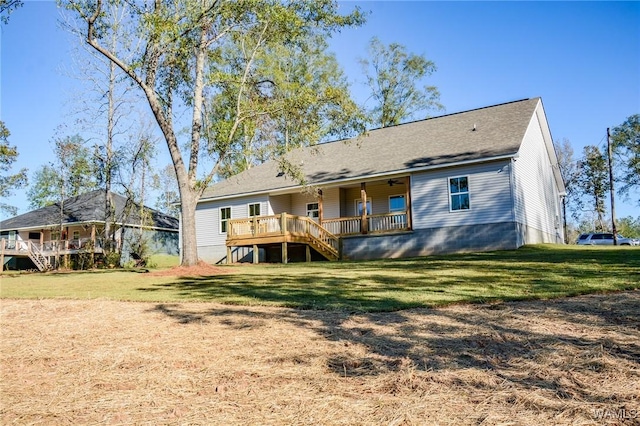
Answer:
(484, 179)
(76, 226)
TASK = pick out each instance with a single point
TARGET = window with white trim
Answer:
(76, 235)
(359, 207)
(397, 203)
(313, 210)
(254, 209)
(225, 215)
(459, 193)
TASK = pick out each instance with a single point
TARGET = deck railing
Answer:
(51, 246)
(282, 224)
(376, 223)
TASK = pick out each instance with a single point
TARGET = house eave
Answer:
(84, 223)
(362, 178)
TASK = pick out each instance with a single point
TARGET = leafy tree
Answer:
(394, 77)
(73, 173)
(165, 181)
(626, 144)
(305, 99)
(192, 53)
(569, 172)
(9, 182)
(592, 183)
(628, 226)
(6, 7)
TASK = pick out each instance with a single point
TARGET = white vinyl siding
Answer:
(330, 203)
(537, 204)
(379, 194)
(489, 187)
(279, 204)
(208, 218)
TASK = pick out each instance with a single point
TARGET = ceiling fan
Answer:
(392, 182)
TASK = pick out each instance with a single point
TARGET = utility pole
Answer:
(611, 190)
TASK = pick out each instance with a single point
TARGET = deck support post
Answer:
(256, 253)
(2, 243)
(308, 253)
(285, 255)
(228, 255)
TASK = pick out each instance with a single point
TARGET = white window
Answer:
(313, 210)
(397, 203)
(225, 215)
(76, 235)
(254, 209)
(459, 193)
(359, 207)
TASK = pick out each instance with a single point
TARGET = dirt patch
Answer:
(201, 269)
(570, 361)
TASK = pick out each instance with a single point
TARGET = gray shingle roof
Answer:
(88, 207)
(427, 143)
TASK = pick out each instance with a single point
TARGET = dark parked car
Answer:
(604, 238)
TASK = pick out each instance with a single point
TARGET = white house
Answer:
(477, 180)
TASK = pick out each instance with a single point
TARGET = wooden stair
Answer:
(36, 256)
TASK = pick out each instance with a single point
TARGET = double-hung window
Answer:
(254, 209)
(225, 215)
(459, 193)
(313, 211)
(359, 207)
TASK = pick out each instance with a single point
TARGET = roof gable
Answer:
(469, 136)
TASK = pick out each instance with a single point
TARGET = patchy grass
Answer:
(568, 361)
(535, 272)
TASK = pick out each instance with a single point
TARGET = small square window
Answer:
(254, 209)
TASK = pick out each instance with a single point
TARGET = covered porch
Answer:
(321, 218)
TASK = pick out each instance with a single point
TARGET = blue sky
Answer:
(582, 58)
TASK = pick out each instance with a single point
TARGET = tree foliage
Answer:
(304, 97)
(569, 172)
(165, 181)
(197, 57)
(6, 7)
(592, 182)
(73, 173)
(626, 145)
(394, 77)
(9, 182)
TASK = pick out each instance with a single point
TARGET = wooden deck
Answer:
(262, 231)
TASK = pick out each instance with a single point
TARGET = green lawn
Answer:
(534, 272)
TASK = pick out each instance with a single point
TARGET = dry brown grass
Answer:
(533, 363)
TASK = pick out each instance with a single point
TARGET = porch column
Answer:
(41, 239)
(2, 243)
(364, 226)
(407, 184)
(93, 242)
(320, 207)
